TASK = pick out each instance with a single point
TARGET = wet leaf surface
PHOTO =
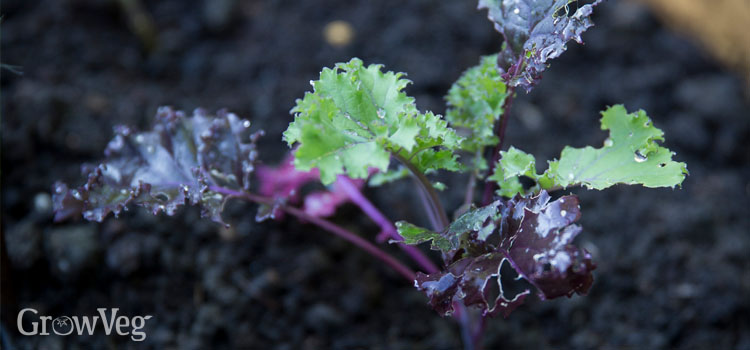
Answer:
(535, 31)
(173, 165)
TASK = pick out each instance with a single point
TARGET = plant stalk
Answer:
(433, 199)
(431, 216)
(349, 236)
(387, 227)
(470, 336)
(494, 157)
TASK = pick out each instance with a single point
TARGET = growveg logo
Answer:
(67, 325)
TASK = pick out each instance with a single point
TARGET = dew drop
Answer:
(563, 213)
(516, 10)
(139, 139)
(608, 142)
(571, 176)
(150, 149)
(246, 123)
(381, 113)
(639, 157)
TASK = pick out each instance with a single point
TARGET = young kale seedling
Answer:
(358, 125)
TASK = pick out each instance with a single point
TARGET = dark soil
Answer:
(673, 265)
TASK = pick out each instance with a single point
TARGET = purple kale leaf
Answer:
(535, 31)
(538, 243)
(467, 280)
(534, 236)
(177, 163)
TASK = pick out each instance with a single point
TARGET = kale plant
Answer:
(358, 127)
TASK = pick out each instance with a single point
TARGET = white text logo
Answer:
(64, 325)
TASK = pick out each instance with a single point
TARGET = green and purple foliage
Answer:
(534, 32)
(175, 164)
(359, 125)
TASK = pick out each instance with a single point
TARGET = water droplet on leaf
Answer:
(639, 157)
(381, 113)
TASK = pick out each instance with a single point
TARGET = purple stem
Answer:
(432, 200)
(387, 227)
(479, 332)
(328, 226)
(434, 222)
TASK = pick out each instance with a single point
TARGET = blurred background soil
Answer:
(673, 265)
(721, 26)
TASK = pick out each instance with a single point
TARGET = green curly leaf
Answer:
(415, 235)
(631, 155)
(477, 220)
(357, 117)
(513, 163)
(475, 102)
